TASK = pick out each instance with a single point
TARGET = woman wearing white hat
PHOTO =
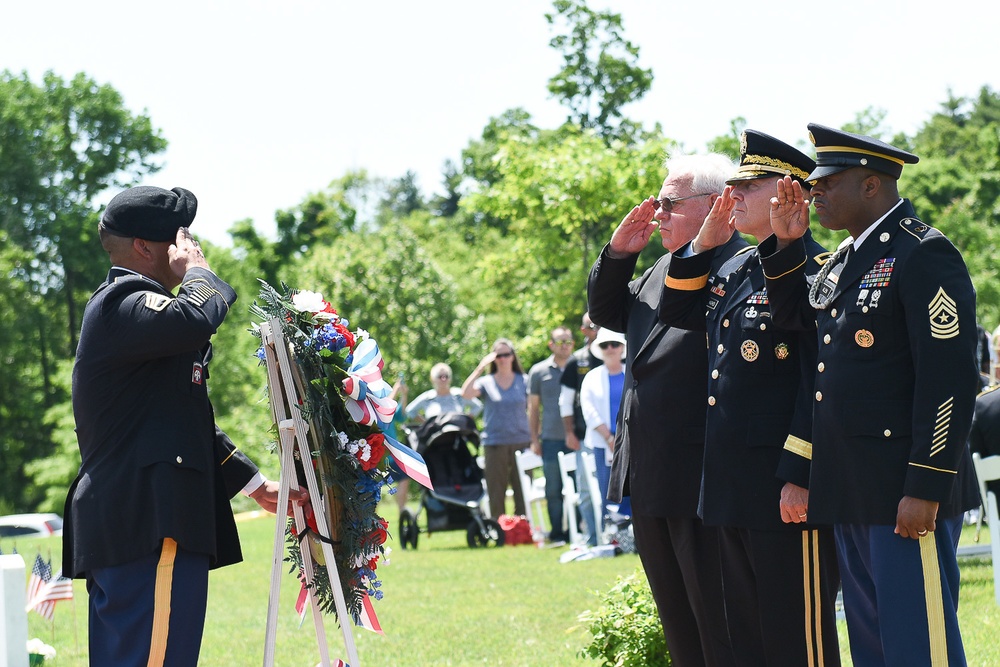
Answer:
(600, 399)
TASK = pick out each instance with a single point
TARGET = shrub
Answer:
(626, 627)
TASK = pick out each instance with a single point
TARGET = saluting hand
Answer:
(185, 253)
(634, 230)
(789, 212)
(719, 225)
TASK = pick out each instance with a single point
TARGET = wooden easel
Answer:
(285, 386)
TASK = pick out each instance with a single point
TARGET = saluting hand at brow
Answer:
(635, 229)
(789, 211)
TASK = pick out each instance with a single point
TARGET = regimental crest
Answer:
(943, 313)
(880, 274)
(156, 301)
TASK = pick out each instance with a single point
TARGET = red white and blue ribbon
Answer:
(367, 394)
(367, 619)
(409, 462)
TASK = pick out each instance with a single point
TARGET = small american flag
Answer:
(44, 590)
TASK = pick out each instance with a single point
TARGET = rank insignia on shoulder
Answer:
(157, 302)
(915, 227)
(943, 315)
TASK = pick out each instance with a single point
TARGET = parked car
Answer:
(30, 525)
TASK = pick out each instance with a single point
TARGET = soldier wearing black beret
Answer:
(895, 387)
(779, 573)
(148, 514)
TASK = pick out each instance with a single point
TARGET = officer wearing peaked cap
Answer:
(759, 428)
(895, 387)
(148, 514)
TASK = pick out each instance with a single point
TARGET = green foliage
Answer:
(729, 144)
(62, 143)
(559, 196)
(626, 627)
(600, 73)
(388, 282)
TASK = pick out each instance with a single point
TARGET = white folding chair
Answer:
(596, 499)
(571, 498)
(988, 470)
(532, 488)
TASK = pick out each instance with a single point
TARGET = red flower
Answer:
(346, 333)
(373, 563)
(376, 444)
(378, 536)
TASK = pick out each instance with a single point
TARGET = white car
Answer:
(31, 525)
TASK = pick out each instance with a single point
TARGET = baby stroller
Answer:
(448, 443)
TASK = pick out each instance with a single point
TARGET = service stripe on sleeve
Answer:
(686, 284)
(799, 446)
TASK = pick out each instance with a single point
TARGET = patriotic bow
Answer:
(367, 393)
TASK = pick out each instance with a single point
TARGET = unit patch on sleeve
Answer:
(943, 315)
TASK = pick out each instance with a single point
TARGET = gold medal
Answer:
(749, 350)
(781, 351)
(864, 338)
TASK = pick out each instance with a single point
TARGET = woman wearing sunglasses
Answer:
(504, 393)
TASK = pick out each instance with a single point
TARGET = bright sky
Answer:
(263, 102)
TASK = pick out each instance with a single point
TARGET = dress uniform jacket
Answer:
(660, 436)
(896, 371)
(154, 464)
(759, 386)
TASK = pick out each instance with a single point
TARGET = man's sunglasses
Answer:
(667, 203)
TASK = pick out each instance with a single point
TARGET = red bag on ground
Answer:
(516, 529)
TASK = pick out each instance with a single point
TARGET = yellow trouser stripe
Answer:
(817, 596)
(935, 605)
(161, 603)
(807, 592)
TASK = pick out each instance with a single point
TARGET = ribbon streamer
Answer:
(409, 462)
(367, 394)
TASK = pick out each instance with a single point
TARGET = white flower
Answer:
(308, 302)
(360, 335)
(37, 647)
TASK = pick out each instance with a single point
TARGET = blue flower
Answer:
(260, 353)
(326, 337)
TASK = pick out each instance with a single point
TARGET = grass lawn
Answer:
(445, 604)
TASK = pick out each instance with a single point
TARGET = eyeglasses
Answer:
(609, 343)
(443, 377)
(504, 355)
(563, 342)
(590, 326)
(667, 203)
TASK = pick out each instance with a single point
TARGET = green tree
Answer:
(387, 283)
(600, 73)
(560, 197)
(62, 144)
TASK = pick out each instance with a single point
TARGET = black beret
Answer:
(150, 213)
(837, 150)
(763, 156)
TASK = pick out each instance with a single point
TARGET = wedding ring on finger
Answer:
(802, 516)
(921, 533)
